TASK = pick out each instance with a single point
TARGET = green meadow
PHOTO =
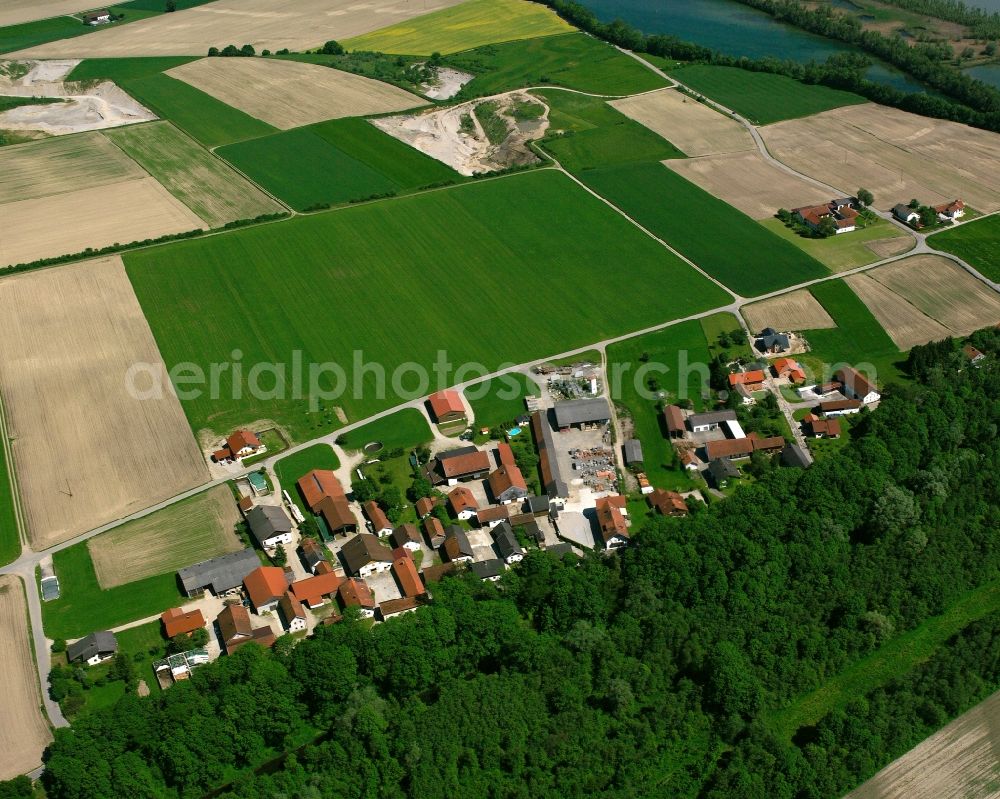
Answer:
(123, 69)
(500, 400)
(727, 244)
(977, 243)
(395, 282)
(404, 429)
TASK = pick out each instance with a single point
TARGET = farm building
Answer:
(378, 522)
(674, 418)
(751, 381)
(464, 463)
(365, 555)
(506, 543)
(789, 369)
(406, 535)
(405, 572)
(821, 428)
(842, 211)
(553, 482)
(313, 553)
(235, 629)
(93, 648)
(770, 340)
(505, 455)
(840, 407)
(507, 485)
(270, 525)
(357, 594)
(337, 514)
(537, 505)
(265, 585)
(293, 615)
(462, 502)
(667, 503)
(396, 607)
(688, 460)
(456, 547)
(703, 422)
(435, 573)
(582, 413)
(906, 214)
(632, 451)
(446, 406)
(424, 507)
(434, 531)
(613, 527)
(491, 569)
(856, 386)
(218, 575)
(488, 517)
(177, 622)
(314, 591)
(317, 485)
(949, 212)
(722, 471)
(560, 549)
(99, 17)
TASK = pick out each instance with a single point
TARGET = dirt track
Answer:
(23, 731)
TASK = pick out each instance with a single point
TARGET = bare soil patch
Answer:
(692, 127)
(748, 182)
(906, 325)
(184, 533)
(85, 451)
(456, 136)
(271, 24)
(959, 761)
(24, 732)
(894, 154)
(447, 83)
(797, 310)
(95, 217)
(288, 94)
(943, 290)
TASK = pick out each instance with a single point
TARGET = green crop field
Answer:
(203, 182)
(202, 116)
(845, 251)
(762, 97)
(406, 428)
(84, 607)
(725, 323)
(388, 283)
(7, 103)
(586, 132)
(335, 162)
(677, 359)
(573, 60)
(10, 541)
(503, 400)
(727, 244)
(31, 34)
(122, 69)
(293, 467)
(462, 27)
(978, 244)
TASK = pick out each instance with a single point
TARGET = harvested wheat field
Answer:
(943, 290)
(288, 94)
(205, 183)
(886, 248)
(184, 533)
(906, 325)
(85, 451)
(62, 224)
(961, 761)
(692, 127)
(13, 12)
(748, 182)
(894, 154)
(272, 24)
(797, 310)
(23, 731)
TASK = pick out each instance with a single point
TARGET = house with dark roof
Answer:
(456, 547)
(462, 502)
(364, 555)
(770, 340)
(220, 574)
(667, 503)
(357, 594)
(434, 531)
(270, 525)
(537, 505)
(491, 569)
(93, 648)
(378, 522)
(794, 455)
(722, 471)
(560, 549)
(553, 480)
(582, 413)
(506, 543)
(464, 463)
(236, 630)
(293, 615)
(446, 406)
(507, 485)
(632, 451)
(906, 215)
(178, 622)
(406, 535)
(703, 422)
(265, 585)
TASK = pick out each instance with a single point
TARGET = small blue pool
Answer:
(513, 431)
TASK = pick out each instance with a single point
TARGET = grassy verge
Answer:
(501, 401)
(892, 660)
(720, 325)
(842, 252)
(978, 244)
(10, 540)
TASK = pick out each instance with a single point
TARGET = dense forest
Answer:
(653, 672)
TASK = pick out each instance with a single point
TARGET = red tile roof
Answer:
(611, 522)
(728, 448)
(505, 455)
(265, 584)
(242, 439)
(424, 506)
(177, 622)
(317, 484)
(406, 574)
(746, 378)
(433, 527)
(461, 498)
(470, 463)
(291, 607)
(674, 418)
(313, 590)
(619, 501)
(669, 503)
(376, 516)
(393, 606)
(445, 402)
(355, 593)
(336, 513)
(493, 514)
(505, 478)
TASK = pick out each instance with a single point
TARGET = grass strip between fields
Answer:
(893, 660)
(10, 539)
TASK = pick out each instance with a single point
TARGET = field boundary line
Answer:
(15, 493)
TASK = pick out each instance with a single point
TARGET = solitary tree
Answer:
(865, 197)
(332, 48)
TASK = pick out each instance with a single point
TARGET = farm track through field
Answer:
(26, 565)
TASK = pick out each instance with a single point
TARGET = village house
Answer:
(855, 385)
(907, 215)
(612, 526)
(667, 503)
(491, 569)
(316, 590)
(975, 356)
(434, 531)
(493, 515)
(218, 575)
(317, 485)
(178, 622)
(464, 463)
(396, 607)
(235, 629)
(582, 413)
(293, 615)
(771, 341)
(949, 212)
(99, 17)
(703, 422)
(462, 502)
(751, 381)
(446, 406)
(265, 585)
(842, 211)
(456, 547)
(821, 428)
(505, 455)
(537, 505)
(364, 555)
(506, 543)
(839, 407)
(357, 594)
(243, 443)
(674, 418)
(507, 485)
(406, 574)
(688, 460)
(788, 368)
(270, 525)
(93, 649)
(313, 553)
(406, 535)
(424, 507)
(378, 522)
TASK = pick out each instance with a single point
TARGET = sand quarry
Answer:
(894, 154)
(288, 94)
(86, 450)
(84, 107)
(439, 134)
(272, 24)
(23, 731)
(692, 127)
(446, 84)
